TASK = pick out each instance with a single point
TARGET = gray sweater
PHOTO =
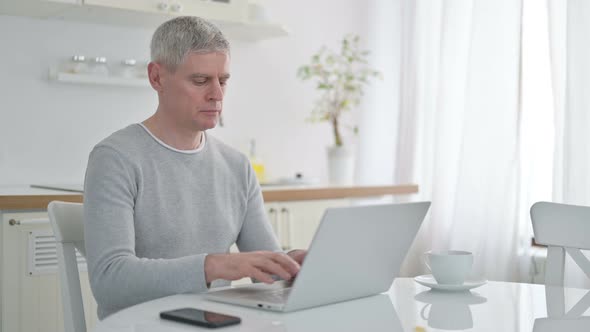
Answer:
(152, 214)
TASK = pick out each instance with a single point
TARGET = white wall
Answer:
(48, 129)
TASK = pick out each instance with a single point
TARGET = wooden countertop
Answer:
(24, 198)
(283, 194)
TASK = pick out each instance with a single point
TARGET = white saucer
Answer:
(446, 297)
(428, 281)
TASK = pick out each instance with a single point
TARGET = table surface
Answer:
(407, 306)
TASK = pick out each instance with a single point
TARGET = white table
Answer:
(409, 307)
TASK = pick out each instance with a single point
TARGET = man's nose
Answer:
(216, 92)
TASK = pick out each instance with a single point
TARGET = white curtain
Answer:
(459, 128)
(470, 126)
(569, 26)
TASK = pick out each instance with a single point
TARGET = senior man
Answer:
(164, 200)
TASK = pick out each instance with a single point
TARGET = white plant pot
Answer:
(340, 165)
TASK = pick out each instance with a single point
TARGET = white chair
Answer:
(66, 221)
(562, 228)
(560, 319)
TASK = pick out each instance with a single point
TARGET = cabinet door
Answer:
(274, 217)
(295, 222)
(231, 10)
(148, 6)
(71, 2)
(304, 218)
(32, 301)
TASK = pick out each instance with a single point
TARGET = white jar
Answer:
(98, 66)
(258, 13)
(142, 71)
(129, 68)
(77, 65)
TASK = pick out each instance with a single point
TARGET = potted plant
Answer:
(340, 78)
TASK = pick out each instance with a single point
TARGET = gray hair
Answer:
(176, 38)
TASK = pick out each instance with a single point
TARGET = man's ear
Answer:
(155, 73)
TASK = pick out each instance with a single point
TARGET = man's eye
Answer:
(223, 83)
(199, 82)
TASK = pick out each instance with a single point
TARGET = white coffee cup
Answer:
(449, 267)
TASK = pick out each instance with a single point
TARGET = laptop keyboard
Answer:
(271, 295)
(274, 296)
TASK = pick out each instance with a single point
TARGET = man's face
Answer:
(192, 95)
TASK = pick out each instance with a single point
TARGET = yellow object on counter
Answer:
(256, 163)
(259, 170)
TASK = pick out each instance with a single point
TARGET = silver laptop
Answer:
(356, 252)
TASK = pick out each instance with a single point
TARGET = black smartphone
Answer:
(200, 317)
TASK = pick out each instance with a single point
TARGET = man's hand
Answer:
(260, 265)
(298, 255)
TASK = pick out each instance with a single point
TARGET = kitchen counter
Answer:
(306, 193)
(26, 198)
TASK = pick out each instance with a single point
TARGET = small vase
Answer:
(340, 165)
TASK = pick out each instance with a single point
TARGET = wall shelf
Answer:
(69, 78)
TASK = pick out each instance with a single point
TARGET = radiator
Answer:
(31, 293)
(42, 254)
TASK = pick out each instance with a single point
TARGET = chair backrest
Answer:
(562, 228)
(68, 228)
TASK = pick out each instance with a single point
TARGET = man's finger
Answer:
(273, 268)
(287, 263)
(261, 276)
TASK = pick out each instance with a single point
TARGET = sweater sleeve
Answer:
(256, 232)
(118, 277)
